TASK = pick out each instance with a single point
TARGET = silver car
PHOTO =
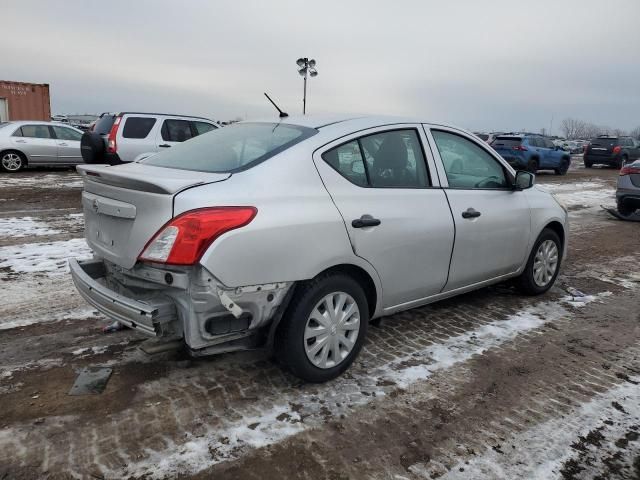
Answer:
(33, 143)
(628, 192)
(294, 234)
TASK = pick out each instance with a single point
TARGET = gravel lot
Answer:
(487, 385)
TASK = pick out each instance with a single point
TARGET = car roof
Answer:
(345, 120)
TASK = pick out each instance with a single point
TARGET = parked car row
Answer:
(114, 138)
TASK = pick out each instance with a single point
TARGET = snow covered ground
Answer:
(42, 258)
(24, 227)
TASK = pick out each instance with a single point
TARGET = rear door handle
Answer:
(470, 213)
(164, 145)
(365, 221)
(21, 141)
(63, 144)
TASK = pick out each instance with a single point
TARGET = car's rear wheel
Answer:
(324, 327)
(564, 167)
(543, 264)
(588, 164)
(625, 209)
(12, 161)
(532, 166)
(623, 161)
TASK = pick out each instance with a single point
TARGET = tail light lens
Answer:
(629, 170)
(585, 148)
(112, 146)
(520, 148)
(184, 239)
(617, 149)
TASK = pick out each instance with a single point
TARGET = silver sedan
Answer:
(33, 143)
(295, 233)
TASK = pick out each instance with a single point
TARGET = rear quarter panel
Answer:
(297, 233)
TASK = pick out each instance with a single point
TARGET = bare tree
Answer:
(635, 133)
(572, 128)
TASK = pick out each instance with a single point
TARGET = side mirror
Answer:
(523, 180)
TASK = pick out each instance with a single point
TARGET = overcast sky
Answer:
(492, 65)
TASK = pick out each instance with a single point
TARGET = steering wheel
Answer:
(490, 182)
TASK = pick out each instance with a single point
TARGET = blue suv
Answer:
(532, 153)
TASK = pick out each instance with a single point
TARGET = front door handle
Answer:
(164, 145)
(365, 221)
(470, 213)
(21, 141)
(63, 144)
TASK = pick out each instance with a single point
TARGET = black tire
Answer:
(588, 164)
(525, 282)
(289, 340)
(623, 161)
(564, 167)
(12, 157)
(532, 166)
(624, 209)
(92, 148)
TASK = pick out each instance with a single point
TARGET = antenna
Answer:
(282, 114)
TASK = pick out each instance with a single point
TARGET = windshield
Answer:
(231, 149)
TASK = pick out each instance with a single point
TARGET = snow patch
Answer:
(50, 258)
(75, 314)
(230, 438)
(18, 227)
(540, 452)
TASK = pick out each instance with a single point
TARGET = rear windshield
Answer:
(604, 142)
(231, 149)
(103, 124)
(506, 142)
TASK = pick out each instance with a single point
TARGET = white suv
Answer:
(124, 137)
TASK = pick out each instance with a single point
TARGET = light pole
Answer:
(307, 67)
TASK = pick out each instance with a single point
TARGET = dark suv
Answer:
(613, 151)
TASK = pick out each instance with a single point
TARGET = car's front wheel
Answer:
(12, 162)
(324, 327)
(564, 167)
(532, 166)
(543, 264)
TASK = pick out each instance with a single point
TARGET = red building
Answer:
(24, 101)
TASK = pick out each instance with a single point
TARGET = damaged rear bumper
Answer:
(146, 315)
(181, 302)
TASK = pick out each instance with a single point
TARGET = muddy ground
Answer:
(486, 385)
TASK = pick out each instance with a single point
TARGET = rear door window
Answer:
(203, 127)
(63, 133)
(36, 131)
(138, 127)
(383, 160)
(176, 130)
(347, 161)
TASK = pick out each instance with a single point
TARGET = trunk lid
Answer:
(125, 206)
(602, 146)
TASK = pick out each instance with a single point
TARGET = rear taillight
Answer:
(617, 149)
(184, 239)
(585, 148)
(112, 146)
(629, 170)
(520, 148)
